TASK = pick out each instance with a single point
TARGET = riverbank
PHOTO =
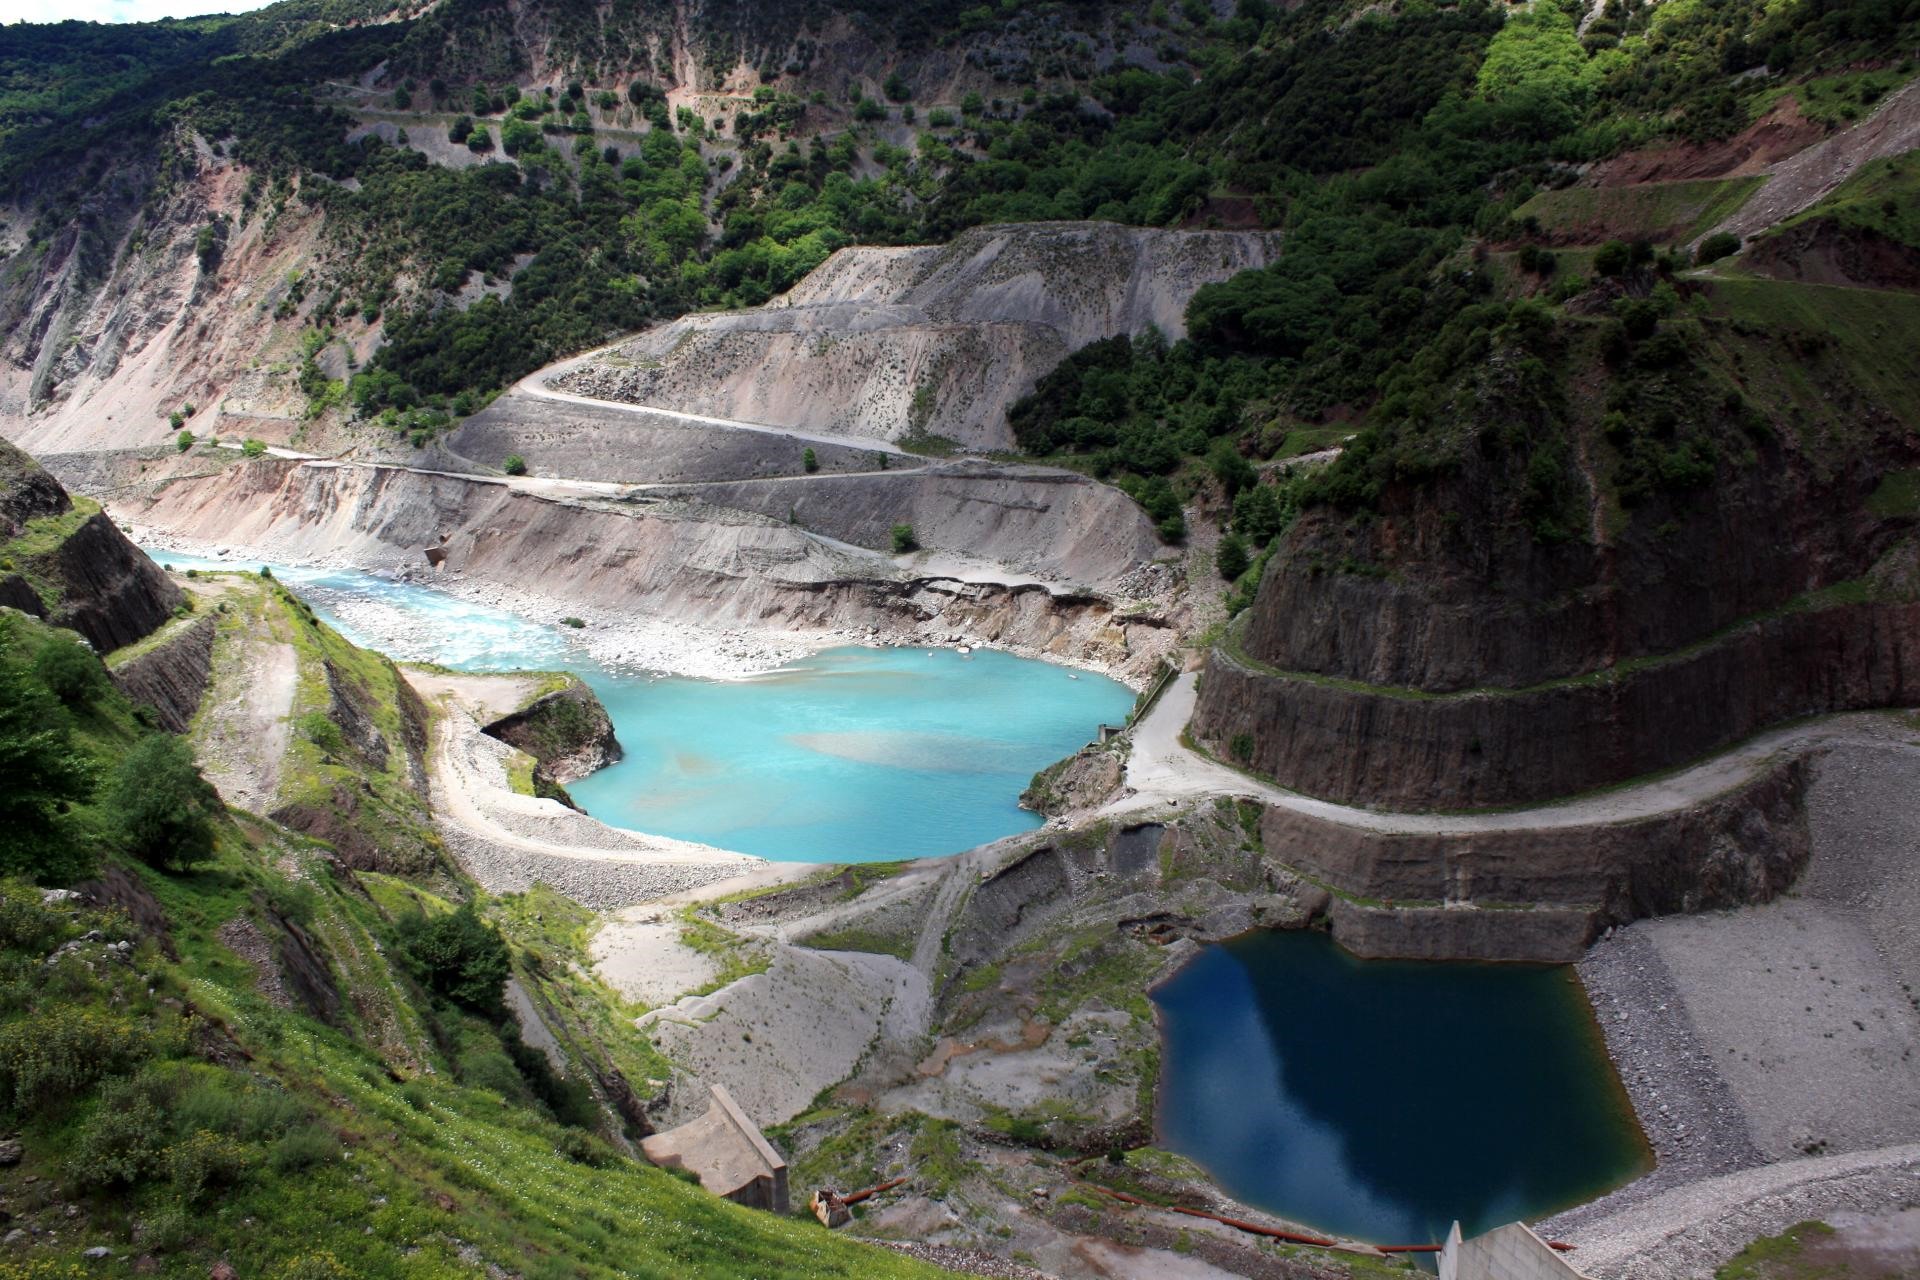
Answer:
(508, 842)
(620, 640)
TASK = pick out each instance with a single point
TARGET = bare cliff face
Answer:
(118, 320)
(899, 343)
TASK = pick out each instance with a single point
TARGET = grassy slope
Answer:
(1872, 333)
(374, 1147)
(1662, 211)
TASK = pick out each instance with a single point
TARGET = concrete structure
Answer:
(1512, 1252)
(728, 1154)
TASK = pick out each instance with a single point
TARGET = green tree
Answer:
(514, 465)
(1233, 471)
(903, 539)
(1231, 557)
(44, 774)
(1613, 258)
(70, 671)
(254, 448)
(1717, 246)
(460, 957)
(183, 441)
(810, 460)
(162, 806)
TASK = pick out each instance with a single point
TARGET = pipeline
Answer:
(1274, 1233)
(870, 1192)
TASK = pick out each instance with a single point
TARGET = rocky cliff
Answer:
(1557, 593)
(71, 565)
(170, 677)
(567, 732)
(898, 343)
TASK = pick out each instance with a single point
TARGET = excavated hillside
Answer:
(1438, 650)
(927, 342)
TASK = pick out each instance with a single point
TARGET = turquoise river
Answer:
(853, 754)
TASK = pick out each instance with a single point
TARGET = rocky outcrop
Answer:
(109, 591)
(567, 732)
(939, 341)
(90, 578)
(1083, 780)
(1399, 749)
(1829, 251)
(27, 492)
(171, 677)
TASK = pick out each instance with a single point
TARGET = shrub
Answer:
(459, 956)
(253, 448)
(183, 441)
(903, 539)
(1231, 557)
(211, 1101)
(1240, 746)
(44, 775)
(304, 1148)
(162, 806)
(26, 925)
(1717, 246)
(60, 1051)
(322, 732)
(1613, 258)
(203, 1161)
(120, 1144)
(70, 671)
(515, 465)
(810, 460)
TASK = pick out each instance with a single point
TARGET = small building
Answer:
(1512, 1252)
(726, 1151)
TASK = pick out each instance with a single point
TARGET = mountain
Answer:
(1488, 434)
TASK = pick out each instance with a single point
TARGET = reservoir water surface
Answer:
(1383, 1099)
(853, 754)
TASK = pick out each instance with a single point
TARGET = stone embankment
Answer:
(171, 676)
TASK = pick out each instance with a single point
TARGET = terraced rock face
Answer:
(901, 343)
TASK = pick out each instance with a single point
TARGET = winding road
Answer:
(1164, 770)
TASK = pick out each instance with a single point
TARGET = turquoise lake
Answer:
(1382, 1099)
(852, 754)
